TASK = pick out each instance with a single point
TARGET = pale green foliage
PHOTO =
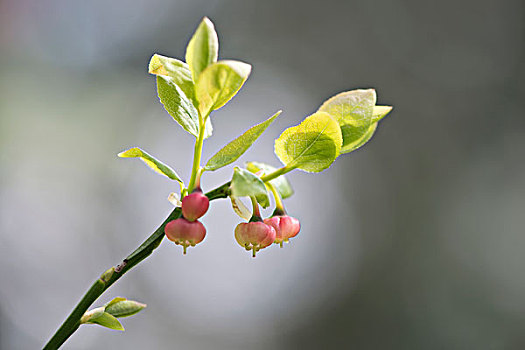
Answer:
(178, 71)
(203, 48)
(380, 112)
(121, 307)
(357, 115)
(247, 184)
(240, 209)
(102, 318)
(178, 105)
(351, 107)
(281, 183)
(233, 150)
(109, 321)
(361, 136)
(218, 83)
(312, 145)
(150, 161)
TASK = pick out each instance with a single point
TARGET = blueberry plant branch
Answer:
(113, 274)
(190, 91)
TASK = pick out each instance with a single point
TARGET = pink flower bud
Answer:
(254, 235)
(195, 205)
(185, 233)
(285, 227)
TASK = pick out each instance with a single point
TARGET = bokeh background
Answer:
(415, 241)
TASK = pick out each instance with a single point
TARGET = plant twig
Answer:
(109, 277)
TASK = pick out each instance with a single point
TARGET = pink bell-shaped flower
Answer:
(185, 233)
(285, 227)
(195, 205)
(254, 236)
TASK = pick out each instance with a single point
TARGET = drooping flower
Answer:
(195, 205)
(285, 227)
(254, 235)
(185, 233)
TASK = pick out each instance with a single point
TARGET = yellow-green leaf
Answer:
(203, 48)
(351, 107)
(124, 308)
(174, 77)
(150, 161)
(281, 183)
(233, 150)
(218, 83)
(240, 209)
(178, 105)
(107, 320)
(245, 183)
(355, 111)
(356, 136)
(312, 145)
(380, 112)
(177, 70)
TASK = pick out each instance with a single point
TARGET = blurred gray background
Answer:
(415, 241)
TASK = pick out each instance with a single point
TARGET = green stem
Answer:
(279, 207)
(197, 153)
(109, 277)
(281, 171)
(256, 214)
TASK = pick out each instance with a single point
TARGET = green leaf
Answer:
(356, 136)
(351, 107)
(380, 112)
(114, 301)
(153, 163)
(178, 105)
(92, 314)
(354, 111)
(177, 93)
(281, 183)
(245, 183)
(233, 150)
(240, 209)
(124, 308)
(107, 320)
(312, 145)
(203, 48)
(178, 71)
(367, 136)
(218, 83)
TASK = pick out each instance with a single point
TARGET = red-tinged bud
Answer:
(185, 233)
(285, 227)
(195, 205)
(254, 236)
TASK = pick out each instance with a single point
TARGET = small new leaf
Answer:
(124, 308)
(351, 107)
(240, 209)
(380, 112)
(218, 83)
(355, 111)
(312, 145)
(233, 150)
(203, 48)
(356, 136)
(114, 301)
(177, 70)
(281, 183)
(177, 104)
(365, 138)
(156, 165)
(109, 321)
(245, 183)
